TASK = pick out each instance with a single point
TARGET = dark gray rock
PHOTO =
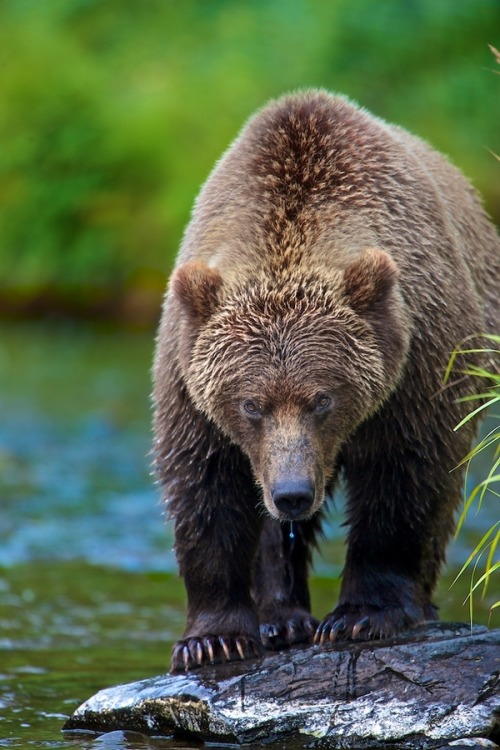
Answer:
(425, 689)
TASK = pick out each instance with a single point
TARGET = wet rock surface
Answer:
(435, 685)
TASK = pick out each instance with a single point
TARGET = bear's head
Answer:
(289, 366)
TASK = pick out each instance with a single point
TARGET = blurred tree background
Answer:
(112, 113)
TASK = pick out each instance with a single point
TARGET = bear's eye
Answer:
(322, 403)
(251, 408)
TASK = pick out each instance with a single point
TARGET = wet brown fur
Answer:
(328, 252)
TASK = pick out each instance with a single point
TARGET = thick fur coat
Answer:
(332, 264)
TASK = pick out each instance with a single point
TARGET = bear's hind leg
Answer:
(280, 586)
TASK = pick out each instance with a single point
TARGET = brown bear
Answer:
(332, 264)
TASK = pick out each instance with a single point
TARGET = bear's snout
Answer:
(293, 498)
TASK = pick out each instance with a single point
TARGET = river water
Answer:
(89, 595)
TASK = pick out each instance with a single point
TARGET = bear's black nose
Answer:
(293, 497)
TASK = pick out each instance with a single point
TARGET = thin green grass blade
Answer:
(478, 550)
(489, 560)
(486, 399)
(490, 479)
(485, 576)
(476, 411)
(490, 439)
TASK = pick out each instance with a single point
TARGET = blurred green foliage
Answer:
(112, 113)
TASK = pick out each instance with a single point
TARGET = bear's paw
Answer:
(200, 651)
(365, 623)
(297, 627)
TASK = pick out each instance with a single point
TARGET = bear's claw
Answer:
(365, 623)
(297, 629)
(195, 652)
(359, 626)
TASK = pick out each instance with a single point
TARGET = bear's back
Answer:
(312, 180)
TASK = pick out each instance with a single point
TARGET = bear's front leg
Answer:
(217, 527)
(400, 515)
(222, 622)
(215, 549)
(212, 498)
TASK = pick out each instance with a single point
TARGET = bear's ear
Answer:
(196, 286)
(369, 280)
